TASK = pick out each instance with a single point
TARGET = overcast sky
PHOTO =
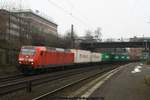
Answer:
(117, 18)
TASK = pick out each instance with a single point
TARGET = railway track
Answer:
(29, 82)
(11, 77)
(21, 83)
(51, 94)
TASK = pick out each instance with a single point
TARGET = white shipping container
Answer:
(81, 56)
(96, 57)
(60, 49)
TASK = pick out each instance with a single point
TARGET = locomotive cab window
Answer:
(28, 51)
(41, 53)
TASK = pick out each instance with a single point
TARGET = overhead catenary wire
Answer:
(70, 14)
(77, 11)
(3, 4)
(69, 3)
(7, 4)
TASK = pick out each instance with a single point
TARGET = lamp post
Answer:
(148, 53)
(72, 36)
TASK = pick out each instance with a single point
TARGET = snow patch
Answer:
(136, 69)
(141, 64)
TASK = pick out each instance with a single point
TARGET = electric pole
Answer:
(72, 36)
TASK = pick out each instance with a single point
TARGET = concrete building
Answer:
(38, 21)
(43, 31)
(13, 28)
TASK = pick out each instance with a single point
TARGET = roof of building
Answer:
(48, 19)
(5, 11)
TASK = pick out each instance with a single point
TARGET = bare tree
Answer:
(68, 39)
(98, 34)
(89, 35)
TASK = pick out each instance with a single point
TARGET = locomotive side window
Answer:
(28, 51)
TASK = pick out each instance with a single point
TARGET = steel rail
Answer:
(10, 77)
(43, 97)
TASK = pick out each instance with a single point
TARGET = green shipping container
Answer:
(120, 57)
(115, 57)
(127, 57)
(106, 57)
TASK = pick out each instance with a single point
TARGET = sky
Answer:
(116, 18)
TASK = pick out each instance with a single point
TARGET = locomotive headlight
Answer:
(31, 60)
(21, 59)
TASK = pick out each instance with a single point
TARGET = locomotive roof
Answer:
(47, 48)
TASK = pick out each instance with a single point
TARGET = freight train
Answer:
(33, 58)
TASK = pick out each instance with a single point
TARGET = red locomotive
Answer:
(33, 58)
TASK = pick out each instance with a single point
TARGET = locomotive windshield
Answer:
(28, 51)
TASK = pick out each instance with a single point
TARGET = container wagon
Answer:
(120, 58)
(96, 57)
(81, 56)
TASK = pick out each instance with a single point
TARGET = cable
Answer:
(77, 11)
(69, 13)
(70, 3)
(51, 2)
(3, 3)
